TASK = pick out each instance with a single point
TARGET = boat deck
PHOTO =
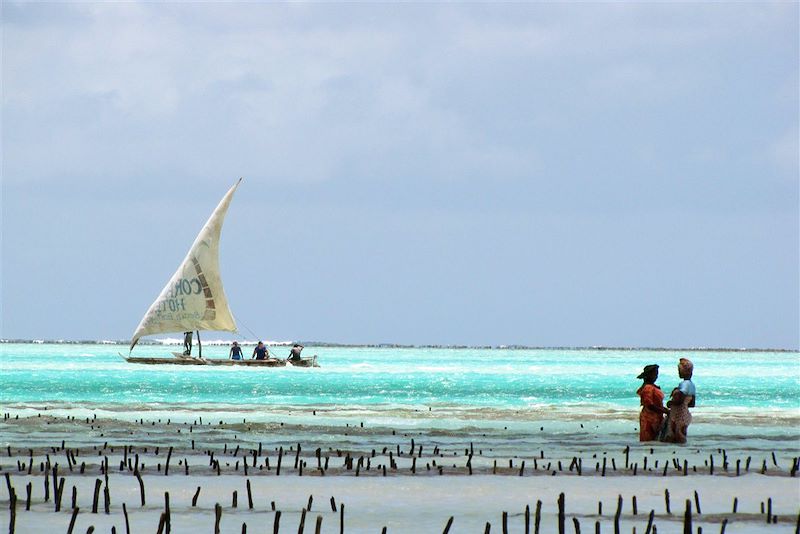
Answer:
(180, 360)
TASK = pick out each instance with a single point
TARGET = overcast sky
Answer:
(543, 174)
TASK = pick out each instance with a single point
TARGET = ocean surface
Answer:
(517, 407)
(458, 383)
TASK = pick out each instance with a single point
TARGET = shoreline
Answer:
(332, 345)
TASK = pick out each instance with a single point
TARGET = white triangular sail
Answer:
(194, 299)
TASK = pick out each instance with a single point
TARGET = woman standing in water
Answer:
(652, 414)
(681, 399)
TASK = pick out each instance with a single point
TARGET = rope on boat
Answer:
(255, 337)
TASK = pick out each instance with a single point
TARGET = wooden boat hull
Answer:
(182, 360)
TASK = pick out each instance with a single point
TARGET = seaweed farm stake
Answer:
(167, 515)
(447, 526)
(650, 521)
(12, 504)
(276, 525)
(127, 523)
(217, 517)
(141, 485)
(106, 496)
(97, 484)
(302, 522)
(687, 518)
(58, 490)
(72, 520)
(527, 519)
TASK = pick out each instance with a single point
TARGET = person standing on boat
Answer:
(294, 355)
(187, 343)
(652, 415)
(236, 352)
(260, 352)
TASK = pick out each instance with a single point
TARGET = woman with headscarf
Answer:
(652, 398)
(681, 399)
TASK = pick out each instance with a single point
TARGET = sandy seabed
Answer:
(204, 472)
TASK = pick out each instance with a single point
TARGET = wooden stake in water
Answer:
(687, 518)
(527, 519)
(97, 484)
(141, 485)
(217, 517)
(12, 504)
(72, 520)
(127, 523)
(650, 519)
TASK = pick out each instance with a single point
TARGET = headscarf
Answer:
(647, 370)
(685, 366)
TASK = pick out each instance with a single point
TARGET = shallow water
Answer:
(515, 406)
(403, 384)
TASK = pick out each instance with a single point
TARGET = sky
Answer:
(579, 174)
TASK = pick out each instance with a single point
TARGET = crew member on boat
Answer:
(236, 352)
(187, 343)
(260, 352)
(294, 355)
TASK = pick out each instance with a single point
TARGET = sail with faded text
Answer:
(194, 299)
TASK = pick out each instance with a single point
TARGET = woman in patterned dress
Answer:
(681, 399)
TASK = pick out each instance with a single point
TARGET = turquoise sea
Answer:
(495, 381)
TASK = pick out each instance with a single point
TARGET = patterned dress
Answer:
(679, 417)
(650, 420)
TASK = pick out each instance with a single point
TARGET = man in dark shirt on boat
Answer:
(294, 355)
(260, 352)
(236, 352)
(187, 343)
